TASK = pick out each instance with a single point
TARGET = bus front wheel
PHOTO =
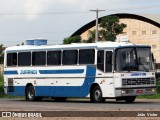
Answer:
(96, 95)
(30, 94)
(130, 99)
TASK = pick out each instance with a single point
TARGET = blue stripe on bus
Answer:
(68, 71)
(62, 91)
(12, 72)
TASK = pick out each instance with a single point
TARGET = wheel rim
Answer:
(31, 94)
(97, 94)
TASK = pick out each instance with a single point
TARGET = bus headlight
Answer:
(151, 90)
(123, 91)
(122, 75)
(127, 91)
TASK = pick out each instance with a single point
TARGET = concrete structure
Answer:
(141, 29)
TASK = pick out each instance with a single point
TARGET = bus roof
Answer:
(76, 45)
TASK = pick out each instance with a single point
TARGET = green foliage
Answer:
(158, 86)
(1, 54)
(1, 86)
(110, 28)
(156, 96)
(91, 37)
(20, 44)
(2, 94)
(74, 39)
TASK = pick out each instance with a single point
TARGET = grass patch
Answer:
(156, 96)
(2, 94)
(1, 86)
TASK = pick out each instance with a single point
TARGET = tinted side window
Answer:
(86, 56)
(69, 57)
(100, 60)
(11, 59)
(108, 61)
(54, 58)
(39, 58)
(24, 59)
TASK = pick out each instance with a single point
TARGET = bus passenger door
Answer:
(108, 68)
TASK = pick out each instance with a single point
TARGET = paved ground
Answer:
(19, 104)
(79, 105)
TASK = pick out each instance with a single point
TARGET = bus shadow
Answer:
(87, 101)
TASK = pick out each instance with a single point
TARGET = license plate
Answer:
(139, 91)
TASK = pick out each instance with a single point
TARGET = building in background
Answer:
(141, 29)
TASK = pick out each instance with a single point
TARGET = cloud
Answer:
(60, 26)
(19, 7)
(35, 7)
(32, 7)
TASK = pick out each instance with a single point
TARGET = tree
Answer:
(1, 54)
(20, 44)
(110, 28)
(74, 39)
(91, 37)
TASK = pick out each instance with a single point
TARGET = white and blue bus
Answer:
(99, 71)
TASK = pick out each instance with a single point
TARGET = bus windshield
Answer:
(133, 59)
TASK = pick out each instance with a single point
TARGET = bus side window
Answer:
(39, 58)
(54, 58)
(108, 61)
(24, 59)
(12, 59)
(86, 56)
(69, 57)
(100, 60)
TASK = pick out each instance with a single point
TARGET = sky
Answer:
(55, 20)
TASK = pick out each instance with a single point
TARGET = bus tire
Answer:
(96, 95)
(30, 93)
(130, 99)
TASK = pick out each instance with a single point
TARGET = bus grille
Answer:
(138, 81)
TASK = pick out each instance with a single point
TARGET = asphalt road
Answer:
(19, 104)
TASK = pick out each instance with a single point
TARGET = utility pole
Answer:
(96, 35)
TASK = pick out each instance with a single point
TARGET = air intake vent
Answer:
(138, 81)
(36, 42)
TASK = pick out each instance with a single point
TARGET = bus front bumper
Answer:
(135, 91)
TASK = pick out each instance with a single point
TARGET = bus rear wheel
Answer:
(30, 94)
(130, 99)
(96, 95)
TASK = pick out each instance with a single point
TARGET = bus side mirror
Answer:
(154, 60)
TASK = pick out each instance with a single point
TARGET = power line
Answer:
(58, 32)
(135, 8)
(45, 13)
(97, 11)
(80, 12)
